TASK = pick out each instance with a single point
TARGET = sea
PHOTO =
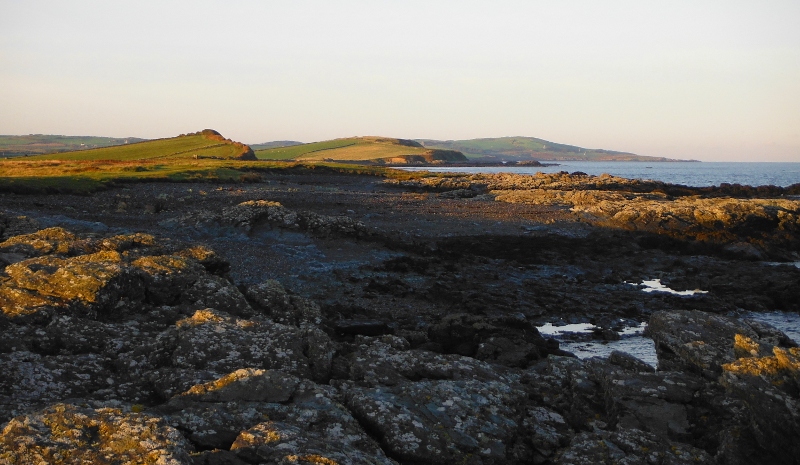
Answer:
(695, 174)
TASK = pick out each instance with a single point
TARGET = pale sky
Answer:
(710, 80)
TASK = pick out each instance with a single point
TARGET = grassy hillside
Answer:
(362, 149)
(204, 144)
(275, 144)
(527, 148)
(204, 156)
(37, 144)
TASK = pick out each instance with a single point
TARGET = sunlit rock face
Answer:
(757, 365)
(757, 224)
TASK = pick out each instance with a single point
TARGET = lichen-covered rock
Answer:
(166, 277)
(45, 242)
(65, 433)
(219, 342)
(246, 384)
(89, 284)
(547, 432)
(216, 292)
(567, 386)
(283, 307)
(387, 361)
(127, 242)
(210, 260)
(248, 214)
(628, 446)
(770, 388)
(69, 335)
(441, 421)
(702, 342)
(314, 429)
(30, 380)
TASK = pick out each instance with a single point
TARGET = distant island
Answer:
(515, 149)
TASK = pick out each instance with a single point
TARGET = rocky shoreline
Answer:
(327, 318)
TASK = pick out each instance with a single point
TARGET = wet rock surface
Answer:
(330, 319)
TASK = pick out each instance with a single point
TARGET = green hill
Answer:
(37, 144)
(204, 144)
(530, 148)
(378, 150)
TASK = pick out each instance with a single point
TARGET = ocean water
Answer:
(696, 174)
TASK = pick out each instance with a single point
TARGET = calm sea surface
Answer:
(686, 173)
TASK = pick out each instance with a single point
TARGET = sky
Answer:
(707, 80)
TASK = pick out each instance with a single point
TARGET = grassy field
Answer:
(36, 144)
(363, 149)
(531, 148)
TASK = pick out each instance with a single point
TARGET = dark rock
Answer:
(216, 457)
(512, 341)
(629, 362)
(362, 327)
(271, 297)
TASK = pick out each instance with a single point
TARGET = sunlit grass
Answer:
(351, 149)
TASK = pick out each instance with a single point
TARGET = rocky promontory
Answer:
(329, 319)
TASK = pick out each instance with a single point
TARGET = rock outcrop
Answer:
(752, 223)
(128, 348)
